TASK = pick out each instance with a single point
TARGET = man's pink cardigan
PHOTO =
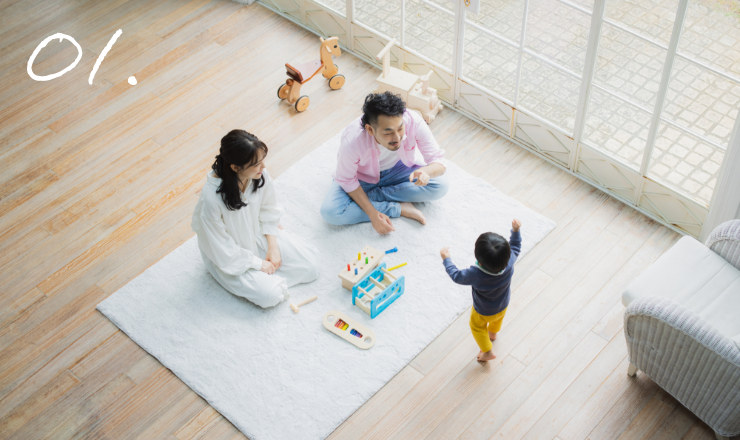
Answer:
(358, 154)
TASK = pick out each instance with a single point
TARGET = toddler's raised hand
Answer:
(516, 224)
(445, 253)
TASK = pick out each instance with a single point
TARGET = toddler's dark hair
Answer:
(492, 252)
(377, 104)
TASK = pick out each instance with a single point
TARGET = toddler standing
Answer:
(490, 279)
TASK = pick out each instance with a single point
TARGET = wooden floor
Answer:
(98, 182)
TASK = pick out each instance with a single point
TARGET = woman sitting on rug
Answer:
(237, 222)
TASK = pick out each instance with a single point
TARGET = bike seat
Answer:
(304, 72)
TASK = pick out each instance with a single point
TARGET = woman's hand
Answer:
(273, 252)
(445, 253)
(267, 267)
(273, 256)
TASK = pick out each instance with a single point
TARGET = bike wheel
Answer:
(283, 91)
(336, 82)
(302, 103)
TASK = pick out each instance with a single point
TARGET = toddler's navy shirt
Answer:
(490, 292)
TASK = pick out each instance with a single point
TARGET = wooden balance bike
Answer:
(302, 73)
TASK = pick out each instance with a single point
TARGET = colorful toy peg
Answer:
(348, 267)
(367, 259)
(395, 249)
(396, 267)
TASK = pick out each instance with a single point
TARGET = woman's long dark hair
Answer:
(238, 148)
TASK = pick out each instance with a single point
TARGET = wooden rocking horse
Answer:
(302, 73)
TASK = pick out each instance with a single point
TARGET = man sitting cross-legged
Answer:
(387, 159)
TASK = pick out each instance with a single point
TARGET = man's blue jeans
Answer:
(394, 187)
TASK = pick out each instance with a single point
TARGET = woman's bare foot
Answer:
(492, 336)
(409, 211)
(487, 356)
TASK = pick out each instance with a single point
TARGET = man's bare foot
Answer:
(487, 356)
(409, 211)
(492, 336)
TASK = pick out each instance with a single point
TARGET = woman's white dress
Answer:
(233, 244)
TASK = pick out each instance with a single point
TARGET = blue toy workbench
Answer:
(377, 290)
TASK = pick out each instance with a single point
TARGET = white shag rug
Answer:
(279, 375)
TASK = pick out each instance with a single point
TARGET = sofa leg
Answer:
(720, 436)
(631, 370)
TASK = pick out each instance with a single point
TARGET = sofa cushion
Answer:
(691, 274)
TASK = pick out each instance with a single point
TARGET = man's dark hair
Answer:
(492, 252)
(377, 104)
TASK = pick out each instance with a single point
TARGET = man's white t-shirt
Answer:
(387, 158)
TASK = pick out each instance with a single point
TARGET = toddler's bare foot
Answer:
(492, 336)
(487, 356)
(409, 211)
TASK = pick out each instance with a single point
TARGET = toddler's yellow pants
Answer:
(480, 325)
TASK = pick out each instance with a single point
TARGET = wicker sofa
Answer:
(682, 326)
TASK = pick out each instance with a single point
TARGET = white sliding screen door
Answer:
(637, 98)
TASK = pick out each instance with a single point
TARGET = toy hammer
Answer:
(295, 307)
